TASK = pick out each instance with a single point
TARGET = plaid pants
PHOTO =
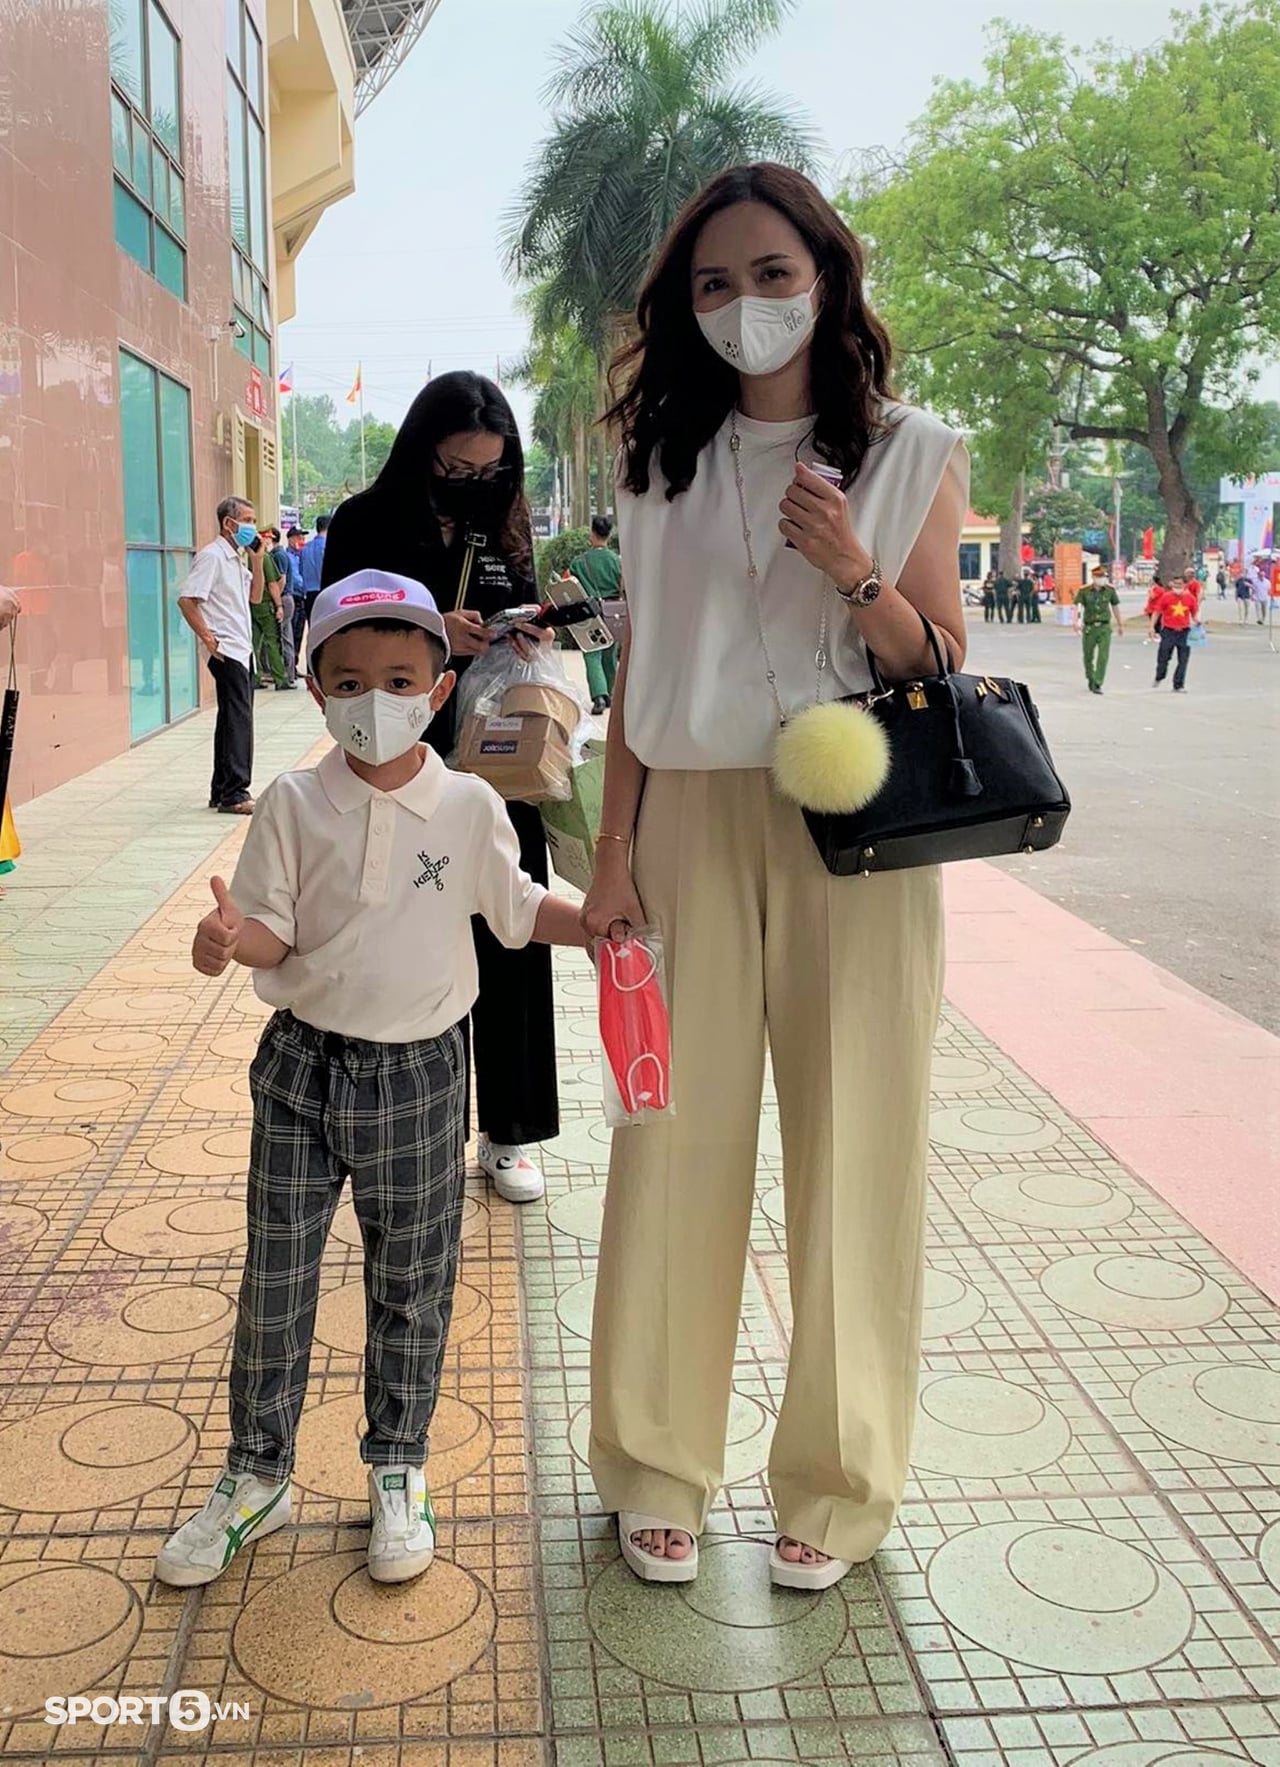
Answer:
(390, 1115)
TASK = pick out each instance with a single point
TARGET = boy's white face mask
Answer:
(757, 335)
(376, 726)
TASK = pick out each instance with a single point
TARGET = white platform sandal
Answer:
(646, 1565)
(784, 1574)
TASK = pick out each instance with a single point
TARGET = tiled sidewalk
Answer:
(1087, 1570)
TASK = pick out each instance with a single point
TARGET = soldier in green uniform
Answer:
(1004, 604)
(1097, 604)
(1028, 598)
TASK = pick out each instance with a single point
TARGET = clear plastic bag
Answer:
(635, 1028)
(522, 723)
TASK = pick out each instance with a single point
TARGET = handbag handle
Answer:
(940, 656)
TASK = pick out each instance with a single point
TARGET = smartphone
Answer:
(504, 623)
(590, 632)
(832, 475)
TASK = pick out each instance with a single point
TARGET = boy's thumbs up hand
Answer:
(218, 933)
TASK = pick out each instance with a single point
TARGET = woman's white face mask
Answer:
(377, 726)
(757, 335)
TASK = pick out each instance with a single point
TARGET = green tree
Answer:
(378, 438)
(564, 371)
(1095, 242)
(539, 474)
(1063, 514)
(646, 113)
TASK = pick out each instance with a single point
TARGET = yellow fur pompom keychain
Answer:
(833, 758)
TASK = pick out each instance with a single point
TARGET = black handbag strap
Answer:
(941, 655)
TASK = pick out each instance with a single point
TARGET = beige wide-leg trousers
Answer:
(843, 978)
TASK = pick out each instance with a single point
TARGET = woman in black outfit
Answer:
(455, 476)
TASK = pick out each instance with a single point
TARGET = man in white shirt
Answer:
(215, 603)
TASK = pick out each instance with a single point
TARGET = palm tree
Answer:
(564, 370)
(646, 115)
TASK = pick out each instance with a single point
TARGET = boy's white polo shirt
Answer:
(374, 893)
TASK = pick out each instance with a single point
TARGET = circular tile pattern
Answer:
(1152, 1294)
(164, 972)
(1158, 1754)
(16, 1009)
(950, 1305)
(249, 1004)
(226, 1095)
(63, 1625)
(340, 1317)
(1051, 1199)
(580, 1213)
(1230, 1410)
(33, 1157)
(155, 1005)
(575, 1306)
(747, 1439)
(168, 1229)
(92, 1455)
(20, 1227)
(325, 1635)
(135, 1326)
(1269, 1555)
(976, 1426)
(729, 1632)
(586, 1142)
(201, 1153)
(1060, 1598)
(239, 1046)
(108, 1049)
(57, 1100)
(577, 1031)
(986, 1128)
(961, 1073)
(329, 1446)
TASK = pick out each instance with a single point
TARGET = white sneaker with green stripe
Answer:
(241, 1508)
(403, 1541)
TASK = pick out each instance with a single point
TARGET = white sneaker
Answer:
(515, 1177)
(241, 1508)
(403, 1542)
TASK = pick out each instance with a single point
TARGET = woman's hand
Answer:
(612, 908)
(528, 640)
(815, 518)
(467, 636)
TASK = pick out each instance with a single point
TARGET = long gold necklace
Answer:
(821, 658)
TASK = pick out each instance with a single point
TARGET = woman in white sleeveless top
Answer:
(756, 355)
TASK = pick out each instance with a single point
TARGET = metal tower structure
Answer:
(382, 33)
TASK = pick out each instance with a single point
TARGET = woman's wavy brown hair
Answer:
(676, 392)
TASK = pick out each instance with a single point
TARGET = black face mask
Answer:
(478, 502)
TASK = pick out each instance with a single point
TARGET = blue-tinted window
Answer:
(155, 434)
(146, 140)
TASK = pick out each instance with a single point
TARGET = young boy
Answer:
(352, 902)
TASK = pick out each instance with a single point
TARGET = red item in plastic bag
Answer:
(634, 1025)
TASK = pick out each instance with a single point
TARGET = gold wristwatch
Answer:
(864, 593)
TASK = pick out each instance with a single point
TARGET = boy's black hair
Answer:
(601, 526)
(433, 643)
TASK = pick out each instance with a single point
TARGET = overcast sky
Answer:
(406, 272)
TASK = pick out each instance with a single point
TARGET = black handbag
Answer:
(970, 777)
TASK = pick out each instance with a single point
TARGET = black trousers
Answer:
(512, 1030)
(1169, 642)
(301, 611)
(233, 733)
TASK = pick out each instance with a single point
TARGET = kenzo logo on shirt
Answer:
(431, 869)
